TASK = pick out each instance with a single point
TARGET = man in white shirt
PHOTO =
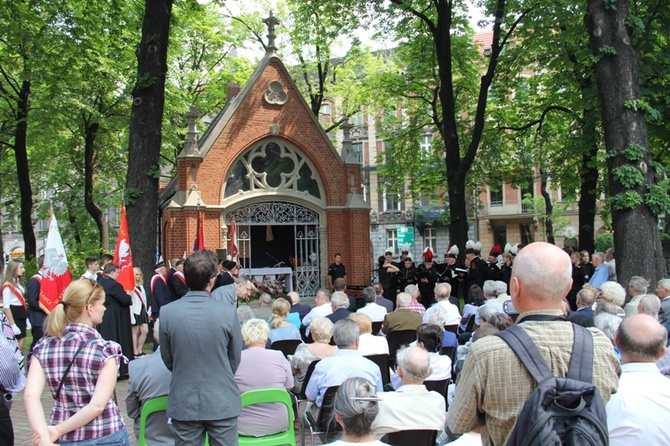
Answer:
(322, 309)
(442, 293)
(638, 412)
(637, 287)
(411, 406)
(371, 308)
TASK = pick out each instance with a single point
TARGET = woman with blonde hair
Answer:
(13, 300)
(139, 317)
(80, 369)
(280, 328)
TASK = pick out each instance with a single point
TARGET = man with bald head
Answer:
(640, 409)
(494, 384)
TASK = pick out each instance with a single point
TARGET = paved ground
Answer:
(22, 431)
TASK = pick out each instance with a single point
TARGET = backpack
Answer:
(560, 411)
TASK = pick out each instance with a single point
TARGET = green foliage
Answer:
(643, 106)
(657, 197)
(607, 50)
(634, 152)
(604, 241)
(626, 200)
(130, 195)
(629, 176)
(144, 81)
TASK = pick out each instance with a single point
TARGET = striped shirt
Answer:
(11, 339)
(12, 378)
(494, 385)
(55, 354)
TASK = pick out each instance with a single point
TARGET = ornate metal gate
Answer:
(305, 224)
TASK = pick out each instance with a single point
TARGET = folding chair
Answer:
(324, 425)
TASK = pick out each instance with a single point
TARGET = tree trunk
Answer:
(23, 171)
(636, 237)
(548, 209)
(145, 136)
(587, 199)
(89, 168)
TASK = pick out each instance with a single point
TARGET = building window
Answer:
(356, 119)
(391, 201)
(325, 108)
(430, 238)
(357, 151)
(496, 192)
(527, 196)
(392, 240)
(426, 143)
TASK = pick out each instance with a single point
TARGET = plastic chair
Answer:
(263, 396)
(383, 362)
(452, 328)
(439, 387)
(324, 425)
(416, 437)
(286, 346)
(153, 405)
(376, 327)
(396, 339)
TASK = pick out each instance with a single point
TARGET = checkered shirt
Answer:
(55, 354)
(416, 307)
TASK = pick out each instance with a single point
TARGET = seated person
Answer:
(411, 406)
(438, 315)
(368, 344)
(429, 338)
(322, 332)
(355, 408)
(281, 329)
(261, 368)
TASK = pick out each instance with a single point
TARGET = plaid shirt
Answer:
(416, 307)
(494, 385)
(55, 354)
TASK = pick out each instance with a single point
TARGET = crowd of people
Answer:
(540, 294)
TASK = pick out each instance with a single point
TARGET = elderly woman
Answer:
(355, 409)
(261, 369)
(322, 331)
(368, 344)
(280, 328)
(614, 293)
(429, 337)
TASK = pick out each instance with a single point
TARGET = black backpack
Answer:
(560, 411)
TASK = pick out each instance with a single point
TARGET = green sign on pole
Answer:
(405, 236)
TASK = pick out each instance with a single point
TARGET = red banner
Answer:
(123, 256)
(199, 243)
(56, 274)
(232, 240)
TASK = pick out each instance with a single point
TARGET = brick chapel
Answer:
(266, 164)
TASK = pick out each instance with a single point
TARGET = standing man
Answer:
(203, 398)
(177, 282)
(494, 385)
(36, 315)
(476, 268)
(663, 293)
(159, 290)
(600, 273)
(92, 267)
(115, 326)
(336, 270)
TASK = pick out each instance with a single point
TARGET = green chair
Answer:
(158, 404)
(262, 396)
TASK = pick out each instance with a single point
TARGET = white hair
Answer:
(613, 292)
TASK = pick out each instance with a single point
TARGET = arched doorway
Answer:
(279, 234)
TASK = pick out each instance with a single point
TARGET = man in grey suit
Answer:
(201, 344)
(149, 378)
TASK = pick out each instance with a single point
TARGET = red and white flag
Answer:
(123, 257)
(199, 243)
(56, 272)
(232, 240)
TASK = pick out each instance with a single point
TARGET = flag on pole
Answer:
(232, 240)
(56, 272)
(199, 242)
(123, 256)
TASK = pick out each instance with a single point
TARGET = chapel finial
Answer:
(271, 22)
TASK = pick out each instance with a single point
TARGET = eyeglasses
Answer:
(90, 294)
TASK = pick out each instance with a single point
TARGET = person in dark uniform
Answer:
(36, 315)
(426, 277)
(336, 270)
(506, 267)
(177, 281)
(225, 277)
(387, 272)
(407, 273)
(477, 267)
(493, 270)
(115, 326)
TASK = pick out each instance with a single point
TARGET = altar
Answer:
(280, 271)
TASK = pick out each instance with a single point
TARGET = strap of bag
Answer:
(67, 370)
(581, 361)
(526, 350)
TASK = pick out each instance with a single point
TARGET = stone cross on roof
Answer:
(271, 22)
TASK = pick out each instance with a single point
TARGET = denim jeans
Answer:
(119, 438)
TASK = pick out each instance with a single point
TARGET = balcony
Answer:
(513, 208)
